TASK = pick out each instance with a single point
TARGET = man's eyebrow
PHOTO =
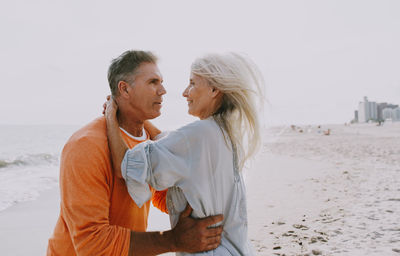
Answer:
(155, 79)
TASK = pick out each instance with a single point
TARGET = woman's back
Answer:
(201, 168)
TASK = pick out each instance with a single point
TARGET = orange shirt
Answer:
(97, 212)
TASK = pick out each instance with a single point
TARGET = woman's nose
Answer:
(185, 92)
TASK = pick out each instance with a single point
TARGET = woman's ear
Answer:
(214, 92)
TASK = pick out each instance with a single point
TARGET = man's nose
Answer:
(162, 90)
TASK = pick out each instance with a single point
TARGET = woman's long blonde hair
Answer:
(242, 85)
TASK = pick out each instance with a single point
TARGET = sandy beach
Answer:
(308, 194)
(312, 194)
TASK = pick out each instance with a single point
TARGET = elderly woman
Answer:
(201, 163)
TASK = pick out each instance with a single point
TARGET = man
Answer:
(97, 215)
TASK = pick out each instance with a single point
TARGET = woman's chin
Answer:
(191, 113)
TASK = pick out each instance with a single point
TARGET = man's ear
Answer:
(123, 88)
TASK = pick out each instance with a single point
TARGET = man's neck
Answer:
(131, 125)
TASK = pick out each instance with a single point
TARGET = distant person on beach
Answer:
(200, 163)
(98, 217)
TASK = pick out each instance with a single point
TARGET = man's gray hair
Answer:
(124, 67)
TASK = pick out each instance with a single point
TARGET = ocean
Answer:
(29, 160)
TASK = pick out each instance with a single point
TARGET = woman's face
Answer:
(199, 96)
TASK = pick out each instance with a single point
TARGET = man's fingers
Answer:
(188, 210)
(212, 246)
(208, 221)
(212, 232)
(214, 240)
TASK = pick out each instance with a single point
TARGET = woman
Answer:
(201, 163)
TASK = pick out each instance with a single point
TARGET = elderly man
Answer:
(97, 215)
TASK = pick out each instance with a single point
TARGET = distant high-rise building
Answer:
(387, 114)
(392, 106)
(367, 111)
(363, 111)
(381, 107)
(355, 116)
(373, 110)
(378, 112)
(396, 114)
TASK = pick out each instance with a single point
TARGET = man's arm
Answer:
(85, 201)
(189, 235)
(159, 200)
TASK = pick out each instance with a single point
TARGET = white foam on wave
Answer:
(20, 184)
(29, 160)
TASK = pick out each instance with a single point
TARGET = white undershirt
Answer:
(141, 138)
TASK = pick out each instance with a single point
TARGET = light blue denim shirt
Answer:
(200, 167)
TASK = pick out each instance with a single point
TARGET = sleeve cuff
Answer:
(134, 170)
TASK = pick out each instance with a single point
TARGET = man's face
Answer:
(145, 93)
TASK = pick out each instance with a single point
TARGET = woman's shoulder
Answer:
(200, 127)
(202, 132)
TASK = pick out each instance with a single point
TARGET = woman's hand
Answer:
(105, 104)
(110, 108)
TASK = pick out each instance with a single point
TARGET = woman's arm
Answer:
(116, 144)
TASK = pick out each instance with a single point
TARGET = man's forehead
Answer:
(149, 70)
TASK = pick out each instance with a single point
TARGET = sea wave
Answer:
(30, 160)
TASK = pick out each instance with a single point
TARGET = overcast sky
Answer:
(319, 58)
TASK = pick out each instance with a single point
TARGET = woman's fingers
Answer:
(104, 108)
(108, 97)
(110, 103)
(111, 108)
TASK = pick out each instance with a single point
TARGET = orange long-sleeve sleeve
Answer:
(86, 203)
(159, 200)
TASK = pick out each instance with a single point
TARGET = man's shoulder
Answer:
(91, 138)
(86, 155)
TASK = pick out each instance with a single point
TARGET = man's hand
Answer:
(195, 235)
